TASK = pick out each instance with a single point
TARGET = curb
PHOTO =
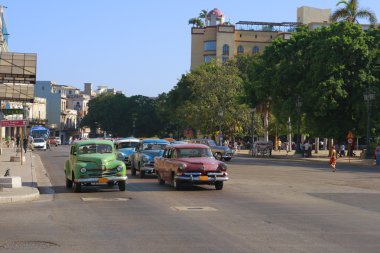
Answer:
(16, 196)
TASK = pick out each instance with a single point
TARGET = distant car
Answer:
(143, 158)
(125, 148)
(190, 164)
(94, 162)
(39, 143)
(58, 140)
(219, 152)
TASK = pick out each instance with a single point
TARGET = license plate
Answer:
(103, 180)
(203, 178)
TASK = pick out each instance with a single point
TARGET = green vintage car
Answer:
(94, 162)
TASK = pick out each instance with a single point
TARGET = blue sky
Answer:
(139, 47)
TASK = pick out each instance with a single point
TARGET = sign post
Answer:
(350, 140)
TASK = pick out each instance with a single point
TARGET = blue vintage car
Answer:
(125, 148)
(143, 158)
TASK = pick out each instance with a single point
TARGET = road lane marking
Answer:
(104, 199)
(193, 208)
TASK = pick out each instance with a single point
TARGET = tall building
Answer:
(4, 32)
(222, 41)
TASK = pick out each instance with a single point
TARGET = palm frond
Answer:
(368, 14)
(339, 14)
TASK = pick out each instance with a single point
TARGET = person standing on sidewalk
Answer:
(25, 144)
(333, 159)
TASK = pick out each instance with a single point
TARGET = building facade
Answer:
(222, 41)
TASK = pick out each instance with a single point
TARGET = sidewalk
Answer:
(27, 172)
(321, 156)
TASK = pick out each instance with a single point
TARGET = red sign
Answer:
(14, 123)
(350, 140)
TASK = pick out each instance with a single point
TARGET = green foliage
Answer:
(117, 113)
(351, 12)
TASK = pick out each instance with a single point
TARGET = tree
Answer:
(203, 15)
(196, 22)
(351, 12)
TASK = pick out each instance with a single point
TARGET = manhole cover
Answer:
(193, 208)
(104, 199)
(28, 245)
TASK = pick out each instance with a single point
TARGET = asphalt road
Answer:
(268, 206)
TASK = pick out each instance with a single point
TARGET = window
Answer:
(43, 87)
(255, 49)
(226, 49)
(210, 45)
(224, 59)
(240, 49)
(208, 58)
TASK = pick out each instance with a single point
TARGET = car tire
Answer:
(159, 179)
(218, 156)
(77, 186)
(133, 171)
(227, 159)
(142, 173)
(219, 185)
(177, 185)
(69, 183)
(121, 186)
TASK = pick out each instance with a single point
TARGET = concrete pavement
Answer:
(321, 156)
(30, 173)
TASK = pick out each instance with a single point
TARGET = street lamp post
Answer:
(253, 127)
(298, 106)
(368, 97)
(220, 114)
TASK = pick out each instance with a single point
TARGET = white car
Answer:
(39, 143)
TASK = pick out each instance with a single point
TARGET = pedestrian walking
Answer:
(17, 141)
(25, 144)
(48, 144)
(333, 159)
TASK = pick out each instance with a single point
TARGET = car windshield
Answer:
(127, 144)
(94, 148)
(211, 143)
(154, 146)
(192, 152)
(39, 140)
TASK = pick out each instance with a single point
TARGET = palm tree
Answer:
(351, 12)
(203, 14)
(196, 22)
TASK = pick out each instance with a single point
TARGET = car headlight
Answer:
(83, 170)
(119, 168)
(120, 155)
(181, 167)
(145, 159)
(222, 167)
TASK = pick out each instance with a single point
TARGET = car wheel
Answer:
(121, 186)
(142, 173)
(218, 156)
(177, 184)
(69, 183)
(159, 179)
(227, 159)
(219, 185)
(77, 186)
(133, 170)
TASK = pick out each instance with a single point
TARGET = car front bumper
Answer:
(199, 179)
(99, 180)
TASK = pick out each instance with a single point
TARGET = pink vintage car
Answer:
(190, 164)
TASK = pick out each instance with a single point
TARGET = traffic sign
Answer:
(14, 123)
(350, 140)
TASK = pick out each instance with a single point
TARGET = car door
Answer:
(73, 158)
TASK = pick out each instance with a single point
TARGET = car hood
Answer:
(208, 163)
(153, 153)
(97, 158)
(126, 151)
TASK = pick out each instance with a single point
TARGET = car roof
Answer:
(129, 139)
(158, 141)
(92, 141)
(190, 145)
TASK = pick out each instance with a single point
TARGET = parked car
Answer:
(39, 143)
(143, 158)
(125, 149)
(219, 152)
(190, 164)
(94, 162)
(58, 140)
